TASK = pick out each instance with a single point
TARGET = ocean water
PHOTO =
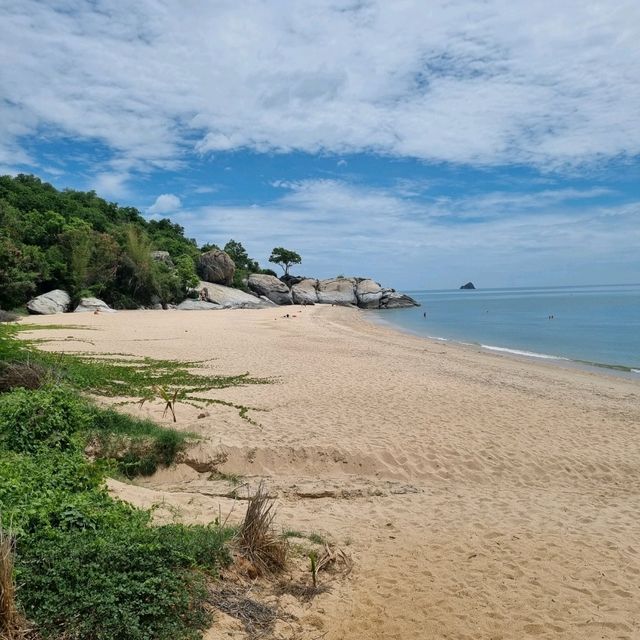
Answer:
(596, 325)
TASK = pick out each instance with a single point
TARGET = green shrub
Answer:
(138, 447)
(121, 584)
(48, 417)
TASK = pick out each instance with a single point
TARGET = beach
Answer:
(479, 495)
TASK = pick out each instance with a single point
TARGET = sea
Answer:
(592, 326)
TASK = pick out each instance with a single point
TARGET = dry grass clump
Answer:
(13, 626)
(7, 316)
(25, 375)
(257, 539)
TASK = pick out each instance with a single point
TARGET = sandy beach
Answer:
(479, 496)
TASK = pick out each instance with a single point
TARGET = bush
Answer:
(21, 375)
(7, 316)
(46, 417)
(138, 447)
(125, 583)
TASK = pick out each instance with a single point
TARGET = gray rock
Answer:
(469, 285)
(393, 300)
(270, 287)
(197, 305)
(93, 304)
(229, 298)
(369, 294)
(162, 256)
(305, 292)
(216, 266)
(56, 301)
(337, 291)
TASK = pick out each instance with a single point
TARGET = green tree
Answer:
(285, 258)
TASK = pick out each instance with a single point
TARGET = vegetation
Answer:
(79, 563)
(78, 242)
(284, 258)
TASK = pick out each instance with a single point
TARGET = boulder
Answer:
(197, 305)
(337, 291)
(305, 291)
(369, 294)
(229, 298)
(93, 304)
(270, 287)
(56, 301)
(162, 256)
(393, 300)
(469, 285)
(216, 266)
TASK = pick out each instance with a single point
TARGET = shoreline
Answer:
(479, 494)
(619, 371)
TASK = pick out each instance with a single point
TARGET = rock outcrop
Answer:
(162, 256)
(56, 301)
(469, 285)
(197, 305)
(305, 291)
(228, 298)
(340, 291)
(369, 293)
(393, 300)
(363, 292)
(216, 266)
(270, 287)
(93, 304)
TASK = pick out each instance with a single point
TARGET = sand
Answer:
(479, 495)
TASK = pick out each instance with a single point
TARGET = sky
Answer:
(421, 143)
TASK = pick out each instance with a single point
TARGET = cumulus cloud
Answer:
(165, 203)
(111, 185)
(411, 242)
(547, 83)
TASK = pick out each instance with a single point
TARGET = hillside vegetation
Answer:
(76, 241)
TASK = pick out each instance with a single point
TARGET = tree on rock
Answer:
(285, 258)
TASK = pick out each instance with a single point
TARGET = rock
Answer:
(197, 305)
(88, 305)
(162, 256)
(290, 280)
(56, 301)
(369, 294)
(305, 291)
(229, 298)
(337, 291)
(469, 285)
(271, 287)
(393, 300)
(216, 266)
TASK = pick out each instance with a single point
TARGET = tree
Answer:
(285, 258)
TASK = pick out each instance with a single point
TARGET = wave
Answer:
(518, 352)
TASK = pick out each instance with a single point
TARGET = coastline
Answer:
(479, 494)
(628, 373)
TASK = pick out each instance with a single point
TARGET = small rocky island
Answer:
(469, 285)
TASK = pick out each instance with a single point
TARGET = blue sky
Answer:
(421, 143)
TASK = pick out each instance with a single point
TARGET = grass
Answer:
(256, 538)
(84, 565)
(118, 375)
(13, 625)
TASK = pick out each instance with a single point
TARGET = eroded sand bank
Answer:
(480, 496)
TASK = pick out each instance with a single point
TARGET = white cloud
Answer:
(165, 203)
(408, 242)
(111, 185)
(545, 83)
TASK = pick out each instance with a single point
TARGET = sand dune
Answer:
(480, 496)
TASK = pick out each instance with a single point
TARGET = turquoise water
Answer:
(591, 324)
